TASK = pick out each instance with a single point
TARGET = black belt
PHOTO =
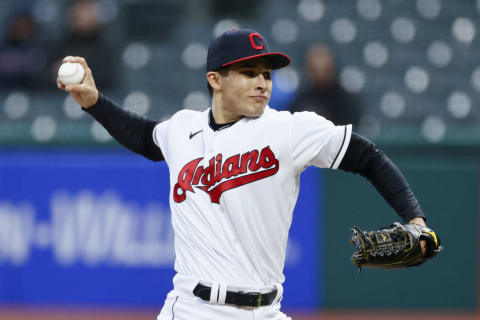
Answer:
(242, 299)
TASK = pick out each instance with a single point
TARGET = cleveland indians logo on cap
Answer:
(220, 176)
(257, 36)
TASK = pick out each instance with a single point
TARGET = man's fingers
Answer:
(60, 85)
(80, 60)
(74, 87)
(73, 59)
(88, 71)
(423, 244)
(69, 59)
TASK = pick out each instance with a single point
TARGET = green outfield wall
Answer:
(446, 182)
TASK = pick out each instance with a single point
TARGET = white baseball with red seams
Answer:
(71, 73)
(233, 191)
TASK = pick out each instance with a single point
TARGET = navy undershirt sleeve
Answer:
(363, 157)
(130, 129)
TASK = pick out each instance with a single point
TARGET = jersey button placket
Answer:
(208, 148)
(212, 146)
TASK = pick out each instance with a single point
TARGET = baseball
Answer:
(71, 73)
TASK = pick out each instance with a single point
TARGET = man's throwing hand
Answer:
(85, 93)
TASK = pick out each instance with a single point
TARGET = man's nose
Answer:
(261, 82)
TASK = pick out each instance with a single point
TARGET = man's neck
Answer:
(221, 115)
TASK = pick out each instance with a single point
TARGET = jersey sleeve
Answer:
(317, 141)
(160, 137)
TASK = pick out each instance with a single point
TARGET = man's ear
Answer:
(213, 79)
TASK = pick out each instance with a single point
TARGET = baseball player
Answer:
(234, 178)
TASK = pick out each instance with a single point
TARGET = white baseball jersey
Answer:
(233, 190)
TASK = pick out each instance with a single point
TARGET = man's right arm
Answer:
(130, 129)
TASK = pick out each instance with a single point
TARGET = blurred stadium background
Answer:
(84, 228)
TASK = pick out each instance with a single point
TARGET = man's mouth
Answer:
(261, 98)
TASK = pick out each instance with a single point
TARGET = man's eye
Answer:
(251, 74)
(267, 75)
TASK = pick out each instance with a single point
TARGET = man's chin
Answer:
(255, 113)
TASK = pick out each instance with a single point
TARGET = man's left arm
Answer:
(363, 157)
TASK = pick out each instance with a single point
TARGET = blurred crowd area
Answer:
(400, 71)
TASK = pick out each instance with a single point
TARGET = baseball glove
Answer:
(394, 247)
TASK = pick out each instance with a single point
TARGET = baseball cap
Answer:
(240, 45)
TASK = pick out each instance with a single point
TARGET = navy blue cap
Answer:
(240, 45)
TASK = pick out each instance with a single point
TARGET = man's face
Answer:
(246, 90)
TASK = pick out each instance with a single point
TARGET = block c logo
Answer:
(254, 35)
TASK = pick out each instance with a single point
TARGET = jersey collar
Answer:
(215, 126)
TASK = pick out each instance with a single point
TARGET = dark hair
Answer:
(223, 72)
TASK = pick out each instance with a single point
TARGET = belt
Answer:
(242, 299)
